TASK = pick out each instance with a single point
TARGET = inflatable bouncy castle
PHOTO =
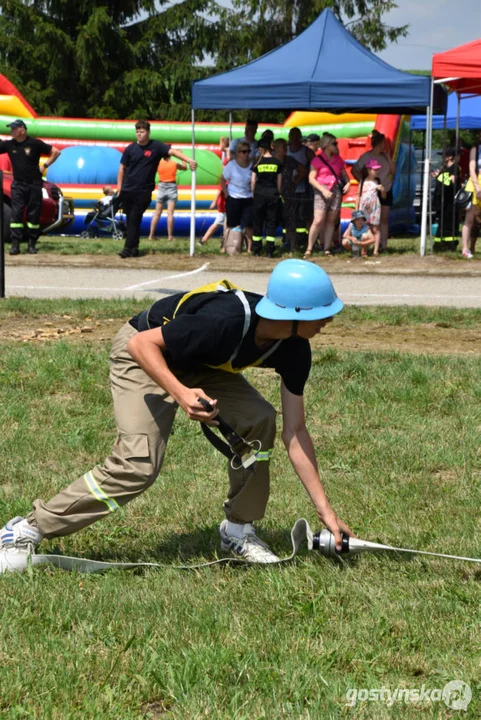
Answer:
(91, 152)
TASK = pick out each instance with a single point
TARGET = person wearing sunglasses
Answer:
(236, 185)
(330, 181)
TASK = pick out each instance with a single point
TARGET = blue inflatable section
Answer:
(85, 165)
(400, 218)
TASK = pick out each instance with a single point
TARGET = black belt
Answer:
(241, 453)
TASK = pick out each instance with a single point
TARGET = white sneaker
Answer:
(18, 541)
(467, 254)
(249, 546)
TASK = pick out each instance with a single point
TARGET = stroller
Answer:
(102, 220)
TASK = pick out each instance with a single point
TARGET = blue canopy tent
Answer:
(469, 117)
(323, 68)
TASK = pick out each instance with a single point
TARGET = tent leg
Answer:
(430, 155)
(193, 191)
(426, 184)
(456, 145)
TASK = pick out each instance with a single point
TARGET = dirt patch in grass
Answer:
(385, 264)
(423, 338)
(427, 339)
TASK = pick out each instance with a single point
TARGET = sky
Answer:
(434, 26)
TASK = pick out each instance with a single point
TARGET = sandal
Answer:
(328, 253)
(307, 255)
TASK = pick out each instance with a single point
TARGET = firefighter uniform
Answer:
(26, 193)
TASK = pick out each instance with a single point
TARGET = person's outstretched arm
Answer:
(180, 155)
(300, 449)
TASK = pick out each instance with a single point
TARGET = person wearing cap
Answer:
(448, 182)
(312, 142)
(193, 346)
(357, 237)
(386, 174)
(24, 153)
(266, 182)
(371, 191)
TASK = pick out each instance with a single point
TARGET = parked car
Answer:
(57, 210)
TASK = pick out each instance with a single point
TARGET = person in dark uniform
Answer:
(136, 180)
(24, 153)
(266, 187)
(189, 348)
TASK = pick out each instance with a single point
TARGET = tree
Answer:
(255, 27)
(105, 58)
(138, 58)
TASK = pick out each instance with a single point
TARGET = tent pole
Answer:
(193, 191)
(430, 155)
(230, 127)
(456, 147)
(426, 184)
(443, 187)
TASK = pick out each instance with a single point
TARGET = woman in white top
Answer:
(236, 184)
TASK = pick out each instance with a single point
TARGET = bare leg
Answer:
(159, 206)
(331, 219)
(170, 219)
(209, 232)
(376, 232)
(467, 227)
(248, 236)
(385, 210)
(319, 215)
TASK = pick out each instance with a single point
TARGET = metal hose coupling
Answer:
(324, 542)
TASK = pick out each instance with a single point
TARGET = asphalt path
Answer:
(354, 289)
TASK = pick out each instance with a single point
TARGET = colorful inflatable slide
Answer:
(91, 152)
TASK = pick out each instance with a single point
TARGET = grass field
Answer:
(104, 246)
(398, 439)
(70, 245)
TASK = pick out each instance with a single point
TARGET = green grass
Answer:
(398, 441)
(12, 309)
(70, 245)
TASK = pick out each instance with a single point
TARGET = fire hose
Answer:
(241, 454)
(321, 541)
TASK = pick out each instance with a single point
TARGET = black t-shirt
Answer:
(141, 164)
(267, 171)
(25, 157)
(208, 328)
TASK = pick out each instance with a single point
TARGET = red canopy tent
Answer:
(459, 69)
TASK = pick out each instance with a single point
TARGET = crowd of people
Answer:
(266, 183)
(299, 185)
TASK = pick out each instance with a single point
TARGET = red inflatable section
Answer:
(6, 88)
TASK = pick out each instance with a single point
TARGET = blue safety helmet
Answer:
(299, 290)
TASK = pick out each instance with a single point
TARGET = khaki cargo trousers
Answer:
(144, 414)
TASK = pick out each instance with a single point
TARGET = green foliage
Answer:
(254, 28)
(130, 59)
(104, 59)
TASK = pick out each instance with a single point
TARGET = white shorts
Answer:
(219, 218)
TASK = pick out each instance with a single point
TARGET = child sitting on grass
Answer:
(358, 236)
